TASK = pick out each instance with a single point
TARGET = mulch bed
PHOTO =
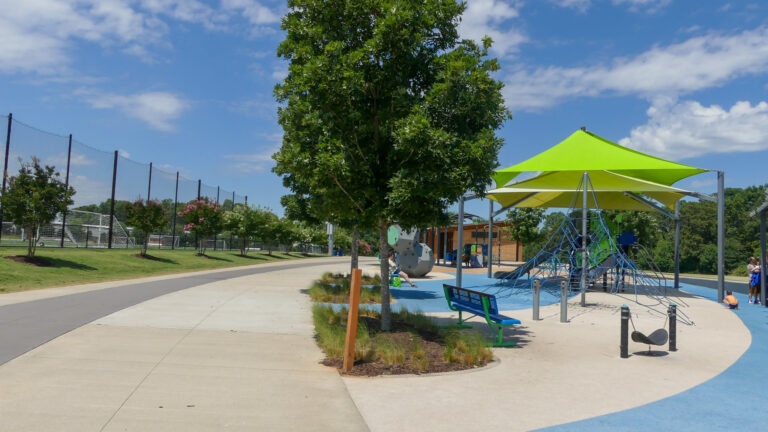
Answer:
(434, 352)
(35, 261)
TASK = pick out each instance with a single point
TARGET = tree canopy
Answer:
(387, 115)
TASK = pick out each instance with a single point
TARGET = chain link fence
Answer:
(105, 183)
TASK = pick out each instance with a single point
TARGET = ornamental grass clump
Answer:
(204, 219)
(467, 348)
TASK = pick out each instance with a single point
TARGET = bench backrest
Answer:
(469, 298)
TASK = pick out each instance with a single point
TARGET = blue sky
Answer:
(187, 84)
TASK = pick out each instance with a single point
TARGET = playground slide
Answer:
(529, 265)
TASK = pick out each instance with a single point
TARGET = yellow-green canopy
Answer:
(585, 151)
(558, 189)
(620, 178)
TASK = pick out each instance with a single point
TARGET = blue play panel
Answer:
(734, 400)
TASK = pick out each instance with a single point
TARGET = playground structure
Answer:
(606, 176)
(609, 267)
(415, 259)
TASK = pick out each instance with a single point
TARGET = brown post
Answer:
(354, 304)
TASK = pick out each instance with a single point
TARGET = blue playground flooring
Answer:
(735, 400)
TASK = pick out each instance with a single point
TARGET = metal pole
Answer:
(460, 243)
(563, 301)
(175, 203)
(720, 235)
(112, 204)
(584, 210)
(231, 236)
(763, 264)
(216, 236)
(677, 245)
(199, 183)
(5, 170)
(624, 346)
(149, 184)
(672, 313)
(490, 239)
(66, 186)
(536, 298)
(246, 200)
(329, 230)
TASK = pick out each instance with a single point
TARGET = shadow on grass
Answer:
(214, 258)
(253, 257)
(62, 263)
(275, 256)
(154, 258)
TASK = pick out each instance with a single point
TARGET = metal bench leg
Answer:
(499, 339)
(459, 325)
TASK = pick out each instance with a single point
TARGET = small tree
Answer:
(33, 198)
(148, 217)
(243, 221)
(202, 218)
(266, 227)
(523, 225)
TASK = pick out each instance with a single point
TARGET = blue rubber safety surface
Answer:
(735, 400)
(428, 296)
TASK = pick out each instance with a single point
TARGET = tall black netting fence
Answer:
(95, 220)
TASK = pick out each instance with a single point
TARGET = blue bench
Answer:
(479, 304)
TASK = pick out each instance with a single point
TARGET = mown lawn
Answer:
(76, 266)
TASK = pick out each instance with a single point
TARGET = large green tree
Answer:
(387, 115)
(523, 226)
(33, 198)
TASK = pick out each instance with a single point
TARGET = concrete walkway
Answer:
(235, 354)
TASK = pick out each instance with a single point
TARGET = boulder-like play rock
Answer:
(416, 259)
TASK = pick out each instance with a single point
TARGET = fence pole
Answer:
(112, 203)
(66, 186)
(197, 238)
(5, 170)
(231, 237)
(175, 203)
(216, 236)
(149, 184)
(246, 200)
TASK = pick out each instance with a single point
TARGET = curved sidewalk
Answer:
(226, 354)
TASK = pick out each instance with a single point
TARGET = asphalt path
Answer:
(25, 326)
(738, 287)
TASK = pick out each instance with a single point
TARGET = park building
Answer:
(443, 241)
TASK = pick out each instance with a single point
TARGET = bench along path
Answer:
(233, 354)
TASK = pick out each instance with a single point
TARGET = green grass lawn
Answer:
(76, 266)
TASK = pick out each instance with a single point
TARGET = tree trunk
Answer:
(355, 248)
(145, 245)
(31, 242)
(386, 316)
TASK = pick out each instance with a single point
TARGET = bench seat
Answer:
(479, 304)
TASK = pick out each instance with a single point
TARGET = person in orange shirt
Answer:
(731, 301)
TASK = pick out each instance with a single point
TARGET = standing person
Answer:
(394, 269)
(753, 270)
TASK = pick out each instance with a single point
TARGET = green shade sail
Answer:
(585, 151)
(558, 189)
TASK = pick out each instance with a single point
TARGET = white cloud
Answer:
(38, 36)
(124, 153)
(698, 63)
(579, 5)
(252, 163)
(649, 6)
(279, 72)
(486, 18)
(158, 109)
(685, 129)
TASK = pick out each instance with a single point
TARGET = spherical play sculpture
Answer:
(416, 259)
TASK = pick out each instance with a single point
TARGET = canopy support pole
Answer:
(584, 259)
(648, 203)
(460, 242)
(762, 259)
(677, 245)
(721, 235)
(490, 238)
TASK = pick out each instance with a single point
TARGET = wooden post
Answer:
(354, 304)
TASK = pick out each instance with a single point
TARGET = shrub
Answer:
(202, 218)
(33, 198)
(148, 217)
